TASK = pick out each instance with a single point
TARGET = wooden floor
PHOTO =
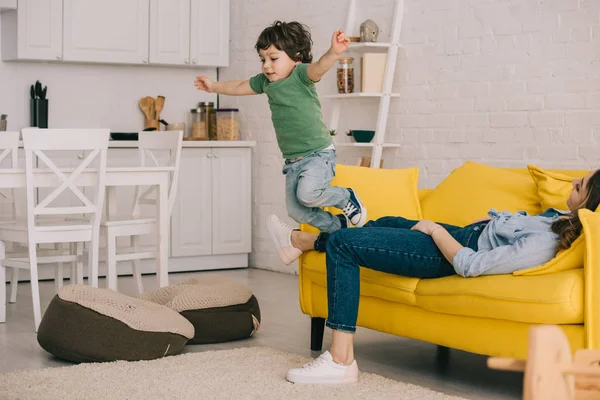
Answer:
(284, 327)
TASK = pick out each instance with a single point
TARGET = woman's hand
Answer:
(426, 226)
(204, 83)
(339, 42)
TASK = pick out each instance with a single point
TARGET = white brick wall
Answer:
(504, 82)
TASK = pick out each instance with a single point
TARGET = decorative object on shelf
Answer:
(332, 132)
(369, 31)
(372, 69)
(39, 105)
(345, 75)
(361, 135)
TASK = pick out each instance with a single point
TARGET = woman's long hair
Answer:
(569, 229)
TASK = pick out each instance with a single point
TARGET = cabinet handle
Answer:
(215, 156)
(209, 155)
(80, 155)
(59, 57)
(187, 61)
(145, 61)
(194, 62)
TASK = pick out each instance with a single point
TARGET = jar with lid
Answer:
(227, 124)
(198, 124)
(211, 119)
(345, 75)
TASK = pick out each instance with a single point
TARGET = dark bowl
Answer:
(362, 136)
(124, 135)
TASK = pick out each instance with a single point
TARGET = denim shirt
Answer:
(510, 242)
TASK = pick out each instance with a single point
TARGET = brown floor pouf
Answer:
(86, 324)
(220, 309)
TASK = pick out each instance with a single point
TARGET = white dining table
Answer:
(115, 176)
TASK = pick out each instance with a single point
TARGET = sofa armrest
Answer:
(591, 264)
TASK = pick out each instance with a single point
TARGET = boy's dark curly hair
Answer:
(291, 37)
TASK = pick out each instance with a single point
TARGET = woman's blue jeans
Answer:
(386, 245)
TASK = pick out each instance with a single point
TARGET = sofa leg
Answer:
(317, 328)
(442, 358)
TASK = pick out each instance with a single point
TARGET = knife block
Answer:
(39, 113)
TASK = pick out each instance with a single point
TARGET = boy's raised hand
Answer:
(204, 83)
(339, 42)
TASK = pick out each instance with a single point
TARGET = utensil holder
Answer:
(39, 113)
(151, 123)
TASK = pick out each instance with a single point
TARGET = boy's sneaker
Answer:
(343, 220)
(324, 370)
(281, 234)
(355, 210)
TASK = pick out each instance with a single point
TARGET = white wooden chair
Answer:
(151, 146)
(38, 228)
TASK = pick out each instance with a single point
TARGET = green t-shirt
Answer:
(295, 111)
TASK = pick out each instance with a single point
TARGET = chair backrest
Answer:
(9, 145)
(41, 142)
(152, 148)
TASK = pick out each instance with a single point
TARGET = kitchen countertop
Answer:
(189, 143)
(119, 144)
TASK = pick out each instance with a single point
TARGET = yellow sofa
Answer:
(488, 315)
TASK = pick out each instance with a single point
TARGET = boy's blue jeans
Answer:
(307, 188)
(386, 245)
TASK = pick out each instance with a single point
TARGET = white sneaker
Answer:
(324, 370)
(281, 234)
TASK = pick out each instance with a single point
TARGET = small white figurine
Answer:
(369, 31)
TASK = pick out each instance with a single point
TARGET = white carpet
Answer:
(244, 373)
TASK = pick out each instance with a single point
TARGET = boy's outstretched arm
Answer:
(339, 44)
(231, 88)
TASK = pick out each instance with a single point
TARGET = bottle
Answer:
(345, 75)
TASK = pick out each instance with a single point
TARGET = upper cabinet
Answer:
(170, 32)
(38, 26)
(210, 32)
(189, 32)
(106, 30)
(162, 32)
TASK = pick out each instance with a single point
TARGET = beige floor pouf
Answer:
(86, 324)
(220, 308)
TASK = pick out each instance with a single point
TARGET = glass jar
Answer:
(345, 75)
(198, 124)
(227, 124)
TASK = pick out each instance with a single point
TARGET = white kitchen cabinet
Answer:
(209, 42)
(212, 214)
(170, 32)
(189, 32)
(33, 31)
(232, 204)
(191, 220)
(107, 31)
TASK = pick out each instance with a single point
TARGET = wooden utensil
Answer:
(151, 102)
(158, 106)
(145, 107)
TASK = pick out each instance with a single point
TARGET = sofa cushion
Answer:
(546, 299)
(472, 189)
(86, 324)
(570, 258)
(554, 188)
(372, 283)
(385, 192)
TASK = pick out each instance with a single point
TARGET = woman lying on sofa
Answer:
(500, 244)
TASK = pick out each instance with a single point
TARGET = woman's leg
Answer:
(396, 251)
